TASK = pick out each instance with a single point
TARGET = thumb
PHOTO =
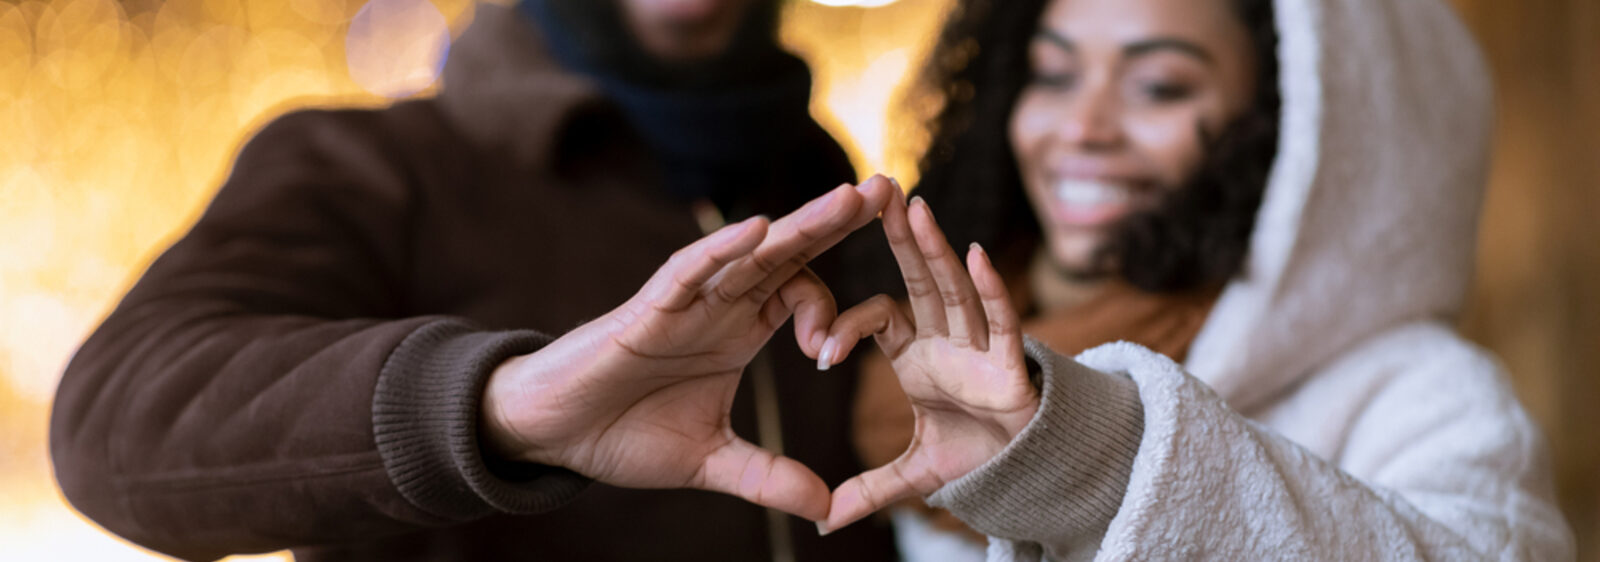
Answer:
(740, 468)
(873, 490)
(813, 306)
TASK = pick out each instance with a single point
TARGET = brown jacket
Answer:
(303, 368)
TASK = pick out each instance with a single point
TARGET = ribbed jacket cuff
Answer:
(1062, 480)
(425, 421)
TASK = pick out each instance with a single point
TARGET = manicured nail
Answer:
(822, 529)
(896, 184)
(975, 248)
(825, 358)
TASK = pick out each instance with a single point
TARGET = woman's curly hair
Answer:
(1196, 237)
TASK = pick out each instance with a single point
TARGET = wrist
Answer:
(496, 431)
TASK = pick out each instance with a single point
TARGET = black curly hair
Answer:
(1196, 237)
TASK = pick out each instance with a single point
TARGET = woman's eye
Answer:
(1164, 92)
(1053, 79)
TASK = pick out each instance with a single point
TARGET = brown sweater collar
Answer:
(498, 69)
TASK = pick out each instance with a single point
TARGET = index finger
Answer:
(927, 307)
(792, 241)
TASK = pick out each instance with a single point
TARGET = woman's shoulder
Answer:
(1407, 385)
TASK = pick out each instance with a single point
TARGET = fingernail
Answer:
(896, 184)
(822, 529)
(825, 358)
(975, 247)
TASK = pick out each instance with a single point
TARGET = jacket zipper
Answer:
(769, 424)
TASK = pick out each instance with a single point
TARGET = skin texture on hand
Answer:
(958, 356)
(640, 397)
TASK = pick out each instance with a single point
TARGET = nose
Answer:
(1090, 121)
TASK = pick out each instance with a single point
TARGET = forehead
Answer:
(1123, 21)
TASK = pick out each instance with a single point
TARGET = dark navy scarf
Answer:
(713, 131)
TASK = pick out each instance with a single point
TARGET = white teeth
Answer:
(1090, 193)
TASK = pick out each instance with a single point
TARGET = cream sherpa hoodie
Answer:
(1328, 410)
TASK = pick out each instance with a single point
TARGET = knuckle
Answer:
(763, 264)
(879, 301)
(955, 299)
(999, 326)
(719, 293)
(920, 288)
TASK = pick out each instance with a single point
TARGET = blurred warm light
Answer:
(397, 47)
(118, 120)
(855, 3)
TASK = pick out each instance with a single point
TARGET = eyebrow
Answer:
(1136, 48)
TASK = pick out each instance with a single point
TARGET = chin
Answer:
(1074, 254)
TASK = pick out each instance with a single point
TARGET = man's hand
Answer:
(640, 397)
(958, 357)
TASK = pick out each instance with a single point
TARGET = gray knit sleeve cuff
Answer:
(425, 422)
(1061, 481)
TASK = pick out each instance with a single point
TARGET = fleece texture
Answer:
(1327, 410)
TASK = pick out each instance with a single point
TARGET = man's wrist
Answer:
(499, 435)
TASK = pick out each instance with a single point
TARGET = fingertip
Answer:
(842, 348)
(843, 202)
(825, 357)
(867, 186)
(816, 344)
(919, 206)
(757, 224)
(847, 506)
(750, 234)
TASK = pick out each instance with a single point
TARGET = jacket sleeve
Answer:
(1442, 464)
(260, 388)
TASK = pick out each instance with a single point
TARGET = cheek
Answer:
(1030, 124)
(1169, 142)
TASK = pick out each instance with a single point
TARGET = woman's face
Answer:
(1113, 114)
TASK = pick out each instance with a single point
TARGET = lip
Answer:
(1090, 202)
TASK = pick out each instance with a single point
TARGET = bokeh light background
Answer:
(118, 120)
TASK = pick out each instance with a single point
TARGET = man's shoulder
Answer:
(412, 120)
(406, 132)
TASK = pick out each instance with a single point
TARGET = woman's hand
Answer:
(958, 355)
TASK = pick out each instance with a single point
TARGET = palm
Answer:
(665, 407)
(640, 397)
(958, 357)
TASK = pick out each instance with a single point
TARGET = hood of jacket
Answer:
(1370, 216)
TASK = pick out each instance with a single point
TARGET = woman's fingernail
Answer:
(822, 529)
(896, 184)
(825, 358)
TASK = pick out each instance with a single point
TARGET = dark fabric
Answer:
(709, 136)
(365, 268)
(440, 370)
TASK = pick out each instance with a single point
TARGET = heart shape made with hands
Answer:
(640, 396)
